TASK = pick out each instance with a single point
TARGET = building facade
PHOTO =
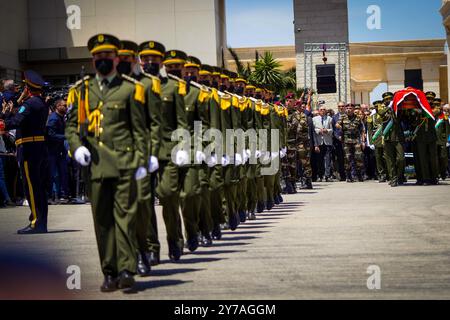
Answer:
(50, 36)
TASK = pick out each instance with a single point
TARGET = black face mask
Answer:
(215, 84)
(223, 88)
(205, 83)
(151, 68)
(190, 79)
(176, 73)
(258, 96)
(104, 66)
(124, 67)
(231, 89)
(240, 91)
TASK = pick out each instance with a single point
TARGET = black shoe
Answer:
(276, 200)
(350, 180)
(109, 284)
(242, 216)
(269, 205)
(31, 230)
(361, 179)
(153, 258)
(280, 198)
(192, 244)
(207, 241)
(217, 233)
(260, 207)
(175, 252)
(233, 222)
(9, 204)
(143, 266)
(251, 216)
(64, 200)
(125, 280)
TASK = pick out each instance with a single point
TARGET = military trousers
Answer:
(114, 208)
(442, 155)
(206, 223)
(395, 160)
(147, 227)
(168, 189)
(354, 159)
(304, 155)
(381, 162)
(33, 163)
(190, 197)
(217, 199)
(427, 160)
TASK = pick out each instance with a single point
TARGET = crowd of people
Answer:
(110, 138)
(349, 144)
(64, 180)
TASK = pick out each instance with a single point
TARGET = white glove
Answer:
(83, 156)
(199, 157)
(238, 159)
(153, 164)
(265, 156)
(246, 156)
(372, 147)
(284, 150)
(212, 161)
(374, 112)
(225, 161)
(182, 158)
(141, 173)
(282, 154)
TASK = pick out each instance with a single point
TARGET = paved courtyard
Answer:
(317, 245)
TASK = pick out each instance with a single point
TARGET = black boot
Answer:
(175, 252)
(143, 266)
(269, 205)
(153, 258)
(242, 216)
(207, 241)
(233, 222)
(109, 284)
(260, 207)
(217, 233)
(192, 244)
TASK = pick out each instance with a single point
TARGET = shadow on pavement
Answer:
(143, 286)
(215, 252)
(63, 231)
(170, 272)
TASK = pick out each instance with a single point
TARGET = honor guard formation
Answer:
(119, 132)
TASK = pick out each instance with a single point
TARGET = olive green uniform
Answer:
(353, 131)
(147, 228)
(425, 139)
(393, 148)
(374, 124)
(442, 131)
(173, 117)
(117, 143)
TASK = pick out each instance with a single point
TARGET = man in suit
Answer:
(323, 141)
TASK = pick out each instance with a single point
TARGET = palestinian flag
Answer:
(401, 95)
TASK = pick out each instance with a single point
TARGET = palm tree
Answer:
(241, 69)
(267, 72)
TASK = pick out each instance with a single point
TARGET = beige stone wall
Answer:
(13, 35)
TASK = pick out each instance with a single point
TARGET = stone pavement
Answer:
(317, 245)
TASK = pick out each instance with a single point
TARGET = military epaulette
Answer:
(139, 89)
(156, 83)
(182, 85)
(205, 94)
(79, 82)
(265, 109)
(369, 119)
(225, 102)
(215, 94)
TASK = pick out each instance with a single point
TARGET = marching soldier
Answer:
(30, 124)
(393, 139)
(153, 55)
(173, 117)
(304, 144)
(354, 142)
(148, 251)
(106, 130)
(375, 128)
(290, 166)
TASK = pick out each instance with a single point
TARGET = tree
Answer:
(242, 70)
(267, 72)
